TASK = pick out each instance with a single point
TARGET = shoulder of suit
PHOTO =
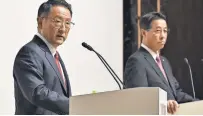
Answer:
(137, 54)
(136, 57)
(30, 47)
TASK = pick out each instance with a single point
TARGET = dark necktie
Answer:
(56, 56)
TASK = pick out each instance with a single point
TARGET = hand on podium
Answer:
(172, 106)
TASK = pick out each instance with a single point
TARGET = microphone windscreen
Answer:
(186, 60)
(87, 46)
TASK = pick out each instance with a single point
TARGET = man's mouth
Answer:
(61, 36)
(162, 43)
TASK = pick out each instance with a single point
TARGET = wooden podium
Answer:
(134, 101)
(191, 108)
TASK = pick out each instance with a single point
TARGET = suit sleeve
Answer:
(28, 72)
(181, 96)
(135, 74)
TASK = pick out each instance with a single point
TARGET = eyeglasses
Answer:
(159, 31)
(58, 22)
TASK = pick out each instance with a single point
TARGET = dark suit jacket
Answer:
(142, 71)
(39, 88)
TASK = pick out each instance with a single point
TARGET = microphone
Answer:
(87, 46)
(191, 77)
(111, 71)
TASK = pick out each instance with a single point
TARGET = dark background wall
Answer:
(185, 20)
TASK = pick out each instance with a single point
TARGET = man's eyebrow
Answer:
(158, 27)
(62, 18)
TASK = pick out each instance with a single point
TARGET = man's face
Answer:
(54, 27)
(155, 38)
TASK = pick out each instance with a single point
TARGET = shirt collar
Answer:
(51, 48)
(154, 55)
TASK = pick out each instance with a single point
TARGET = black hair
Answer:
(146, 20)
(45, 7)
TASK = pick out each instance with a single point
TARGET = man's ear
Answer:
(143, 33)
(39, 22)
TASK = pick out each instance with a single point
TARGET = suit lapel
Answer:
(153, 64)
(50, 58)
(66, 76)
(168, 73)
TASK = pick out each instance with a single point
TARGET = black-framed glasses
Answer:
(58, 22)
(159, 31)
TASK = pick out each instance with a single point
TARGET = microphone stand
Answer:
(113, 74)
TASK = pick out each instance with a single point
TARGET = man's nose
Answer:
(63, 27)
(163, 34)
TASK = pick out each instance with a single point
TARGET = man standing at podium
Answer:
(40, 77)
(147, 68)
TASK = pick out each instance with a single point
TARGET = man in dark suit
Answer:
(40, 77)
(147, 68)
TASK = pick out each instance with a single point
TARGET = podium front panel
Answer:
(134, 101)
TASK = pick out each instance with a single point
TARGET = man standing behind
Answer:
(147, 68)
(40, 78)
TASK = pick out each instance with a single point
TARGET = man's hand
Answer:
(172, 106)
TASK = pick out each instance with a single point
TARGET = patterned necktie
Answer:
(56, 57)
(158, 61)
